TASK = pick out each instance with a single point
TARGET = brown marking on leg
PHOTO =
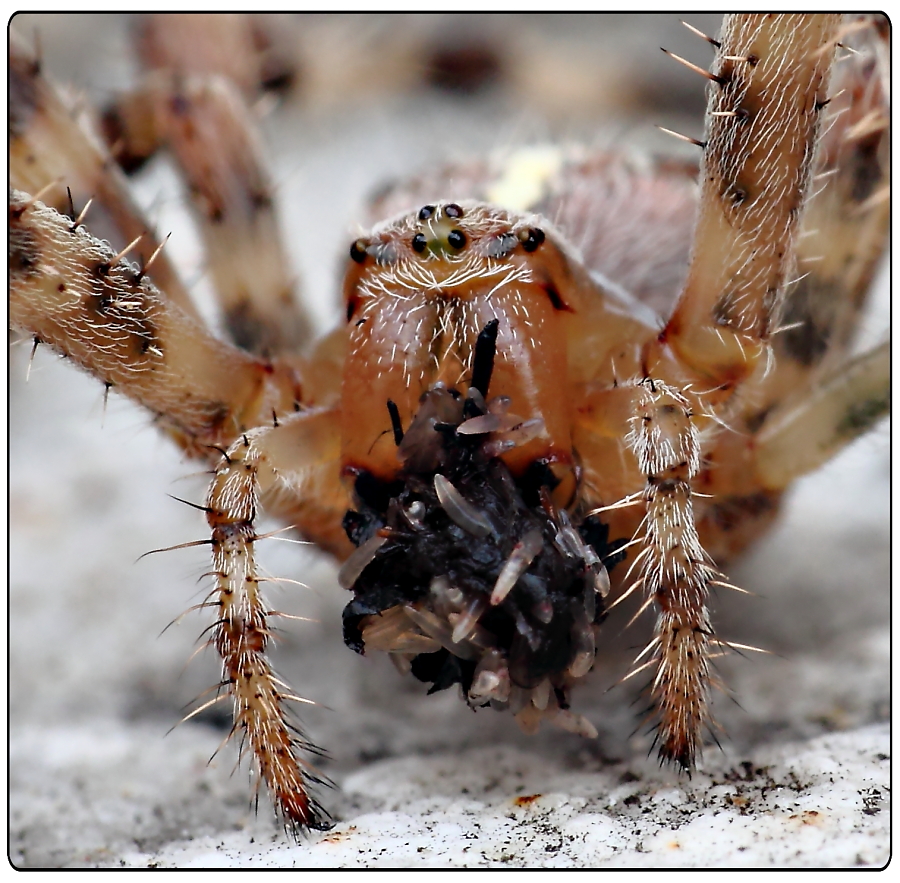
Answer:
(729, 513)
(866, 172)
(49, 143)
(808, 320)
(769, 76)
(67, 289)
(24, 252)
(208, 128)
(24, 94)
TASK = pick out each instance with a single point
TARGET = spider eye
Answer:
(453, 210)
(426, 212)
(456, 238)
(358, 250)
(531, 238)
(419, 242)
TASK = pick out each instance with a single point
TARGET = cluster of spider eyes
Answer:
(529, 237)
(455, 238)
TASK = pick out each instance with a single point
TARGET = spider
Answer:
(508, 433)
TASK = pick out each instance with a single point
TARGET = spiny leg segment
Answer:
(50, 143)
(767, 89)
(673, 569)
(844, 227)
(73, 293)
(766, 92)
(242, 632)
(810, 397)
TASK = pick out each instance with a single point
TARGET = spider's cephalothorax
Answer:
(419, 291)
(470, 575)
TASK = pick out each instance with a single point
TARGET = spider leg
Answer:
(72, 292)
(745, 473)
(769, 78)
(843, 233)
(817, 398)
(651, 429)
(811, 428)
(50, 142)
(675, 570)
(206, 124)
(287, 460)
(254, 52)
(813, 397)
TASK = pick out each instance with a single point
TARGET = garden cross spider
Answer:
(525, 414)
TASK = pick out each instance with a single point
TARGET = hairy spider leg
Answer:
(843, 231)
(75, 294)
(810, 374)
(205, 122)
(771, 75)
(292, 470)
(48, 143)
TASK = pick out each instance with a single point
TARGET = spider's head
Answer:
(468, 574)
(419, 290)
